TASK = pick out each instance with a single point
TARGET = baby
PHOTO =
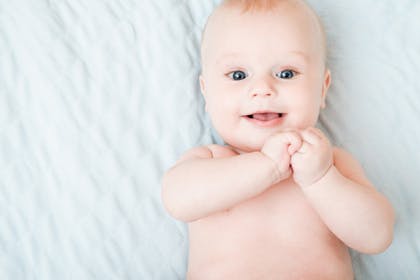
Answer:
(278, 201)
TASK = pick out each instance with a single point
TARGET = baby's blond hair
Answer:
(253, 5)
(270, 5)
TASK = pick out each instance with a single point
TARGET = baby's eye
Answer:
(237, 75)
(286, 74)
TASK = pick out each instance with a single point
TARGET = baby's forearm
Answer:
(360, 216)
(199, 187)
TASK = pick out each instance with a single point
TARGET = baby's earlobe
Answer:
(202, 85)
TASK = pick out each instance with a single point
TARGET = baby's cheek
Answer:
(297, 122)
(304, 118)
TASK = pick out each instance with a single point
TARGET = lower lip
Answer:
(270, 123)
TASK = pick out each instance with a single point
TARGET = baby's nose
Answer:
(262, 88)
(262, 93)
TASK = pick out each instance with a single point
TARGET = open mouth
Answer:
(265, 116)
(265, 119)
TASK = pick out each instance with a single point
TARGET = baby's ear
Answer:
(202, 84)
(325, 86)
(203, 89)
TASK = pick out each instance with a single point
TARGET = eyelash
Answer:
(246, 75)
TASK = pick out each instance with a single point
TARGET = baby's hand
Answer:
(313, 159)
(279, 147)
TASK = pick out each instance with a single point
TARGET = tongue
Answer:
(265, 116)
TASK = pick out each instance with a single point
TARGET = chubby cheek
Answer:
(223, 113)
(305, 114)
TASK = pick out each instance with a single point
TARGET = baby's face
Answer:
(263, 72)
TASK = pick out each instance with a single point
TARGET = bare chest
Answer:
(281, 212)
(276, 227)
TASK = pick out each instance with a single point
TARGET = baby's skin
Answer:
(274, 235)
(278, 201)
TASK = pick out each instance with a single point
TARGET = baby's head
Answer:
(263, 69)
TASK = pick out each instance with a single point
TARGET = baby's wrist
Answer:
(277, 176)
(317, 180)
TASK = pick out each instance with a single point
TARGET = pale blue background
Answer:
(99, 98)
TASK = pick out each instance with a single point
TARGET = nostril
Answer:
(262, 94)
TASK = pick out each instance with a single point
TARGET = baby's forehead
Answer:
(235, 12)
(243, 10)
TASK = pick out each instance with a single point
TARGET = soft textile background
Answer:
(99, 98)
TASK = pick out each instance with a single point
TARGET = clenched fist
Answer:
(280, 147)
(313, 158)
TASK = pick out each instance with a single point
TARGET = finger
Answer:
(292, 149)
(317, 131)
(291, 139)
(294, 140)
(310, 137)
(321, 135)
(295, 158)
(288, 137)
(304, 148)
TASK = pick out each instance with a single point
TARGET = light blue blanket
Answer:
(99, 98)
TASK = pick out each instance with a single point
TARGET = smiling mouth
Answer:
(265, 119)
(265, 116)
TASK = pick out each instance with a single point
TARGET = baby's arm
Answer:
(202, 183)
(349, 204)
(351, 207)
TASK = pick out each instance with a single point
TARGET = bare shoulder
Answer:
(349, 167)
(208, 151)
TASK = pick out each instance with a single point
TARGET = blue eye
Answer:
(237, 75)
(286, 74)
